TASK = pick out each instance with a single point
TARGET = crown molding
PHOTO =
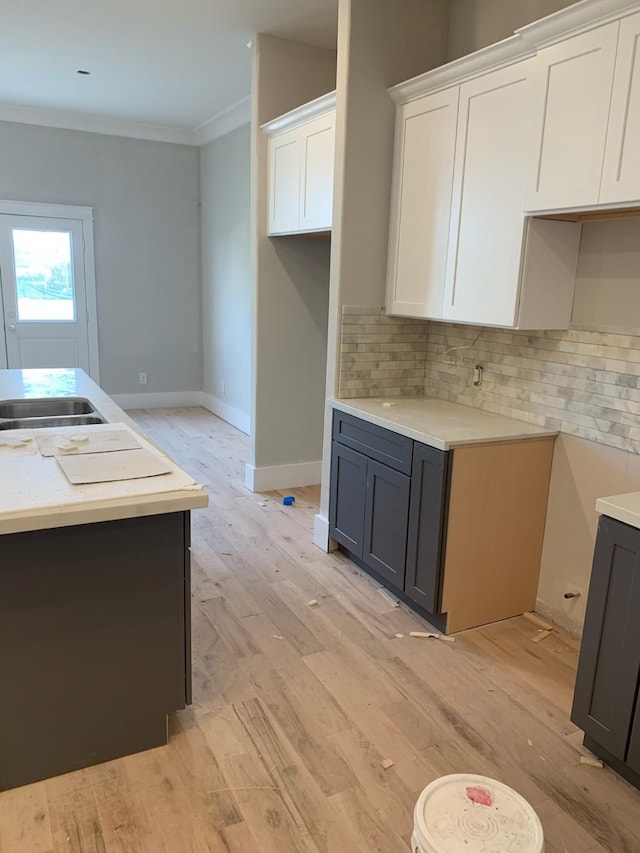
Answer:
(224, 122)
(489, 58)
(95, 124)
(575, 19)
(314, 109)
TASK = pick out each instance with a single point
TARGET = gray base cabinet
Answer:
(605, 702)
(387, 506)
(94, 642)
(427, 516)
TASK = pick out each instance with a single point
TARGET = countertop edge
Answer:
(613, 507)
(88, 513)
(434, 441)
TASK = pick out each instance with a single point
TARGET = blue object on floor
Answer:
(288, 500)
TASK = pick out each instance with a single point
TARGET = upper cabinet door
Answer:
(573, 81)
(621, 175)
(487, 223)
(421, 204)
(284, 183)
(316, 185)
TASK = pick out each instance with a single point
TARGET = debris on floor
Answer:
(386, 764)
(399, 636)
(542, 636)
(591, 762)
(538, 621)
(388, 597)
(288, 500)
(426, 635)
(312, 603)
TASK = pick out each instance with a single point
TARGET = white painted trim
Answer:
(275, 477)
(96, 124)
(294, 118)
(158, 400)
(91, 296)
(487, 59)
(237, 418)
(321, 532)
(575, 19)
(224, 122)
(56, 211)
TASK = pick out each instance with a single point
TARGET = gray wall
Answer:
(145, 197)
(291, 276)
(477, 23)
(225, 179)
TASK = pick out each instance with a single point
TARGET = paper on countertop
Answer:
(118, 465)
(78, 441)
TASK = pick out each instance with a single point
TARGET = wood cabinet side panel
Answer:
(497, 511)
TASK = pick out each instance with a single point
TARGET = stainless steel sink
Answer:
(48, 412)
(45, 407)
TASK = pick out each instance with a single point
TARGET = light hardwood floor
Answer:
(297, 706)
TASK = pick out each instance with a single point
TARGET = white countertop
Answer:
(624, 508)
(438, 423)
(35, 494)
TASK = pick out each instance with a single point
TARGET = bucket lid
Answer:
(475, 814)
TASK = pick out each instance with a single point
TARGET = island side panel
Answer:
(497, 512)
(93, 650)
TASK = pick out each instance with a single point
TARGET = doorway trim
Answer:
(85, 216)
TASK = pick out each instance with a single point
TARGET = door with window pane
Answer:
(44, 302)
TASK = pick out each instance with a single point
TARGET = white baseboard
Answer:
(158, 400)
(321, 532)
(274, 477)
(235, 417)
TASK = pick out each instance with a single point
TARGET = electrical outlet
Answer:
(142, 378)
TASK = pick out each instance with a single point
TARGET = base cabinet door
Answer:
(348, 489)
(609, 666)
(633, 757)
(426, 527)
(385, 522)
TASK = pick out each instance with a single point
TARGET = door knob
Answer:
(12, 327)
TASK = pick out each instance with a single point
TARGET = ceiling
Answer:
(172, 63)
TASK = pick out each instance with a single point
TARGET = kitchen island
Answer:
(94, 597)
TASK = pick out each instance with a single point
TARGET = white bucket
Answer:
(474, 814)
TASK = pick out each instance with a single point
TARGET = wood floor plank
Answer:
(295, 707)
(25, 821)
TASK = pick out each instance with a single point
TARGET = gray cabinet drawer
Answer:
(385, 446)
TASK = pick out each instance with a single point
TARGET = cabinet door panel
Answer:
(633, 757)
(426, 527)
(621, 175)
(386, 520)
(573, 81)
(609, 665)
(348, 487)
(284, 189)
(316, 187)
(421, 204)
(487, 223)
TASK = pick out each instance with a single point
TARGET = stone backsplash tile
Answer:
(585, 383)
(380, 355)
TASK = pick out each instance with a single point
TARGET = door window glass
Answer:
(44, 275)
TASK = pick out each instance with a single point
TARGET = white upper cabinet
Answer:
(284, 182)
(421, 204)
(301, 160)
(621, 173)
(318, 139)
(570, 102)
(460, 245)
(487, 221)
